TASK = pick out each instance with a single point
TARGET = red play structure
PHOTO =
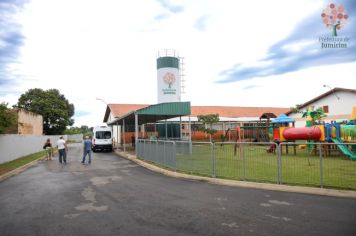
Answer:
(302, 133)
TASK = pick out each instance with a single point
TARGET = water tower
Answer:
(168, 76)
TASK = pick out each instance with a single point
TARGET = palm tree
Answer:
(313, 115)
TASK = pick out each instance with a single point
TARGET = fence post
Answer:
(242, 153)
(191, 157)
(279, 163)
(213, 160)
(164, 152)
(144, 149)
(277, 155)
(321, 167)
(156, 148)
(190, 147)
(174, 156)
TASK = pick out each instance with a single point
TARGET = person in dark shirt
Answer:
(87, 149)
(49, 151)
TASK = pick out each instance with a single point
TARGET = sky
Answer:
(236, 53)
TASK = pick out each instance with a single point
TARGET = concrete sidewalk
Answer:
(244, 184)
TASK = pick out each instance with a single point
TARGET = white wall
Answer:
(116, 130)
(339, 109)
(116, 134)
(13, 146)
(341, 106)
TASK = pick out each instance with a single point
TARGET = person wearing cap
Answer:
(87, 149)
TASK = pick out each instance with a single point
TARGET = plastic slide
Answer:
(344, 149)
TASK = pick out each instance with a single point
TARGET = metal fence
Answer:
(307, 164)
(160, 152)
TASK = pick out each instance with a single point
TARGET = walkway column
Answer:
(136, 132)
(190, 130)
(117, 135)
(166, 129)
(143, 128)
(224, 129)
(123, 136)
(230, 127)
(190, 136)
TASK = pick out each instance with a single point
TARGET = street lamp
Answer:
(100, 99)
(327, 86)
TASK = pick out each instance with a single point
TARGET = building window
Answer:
(326, 109)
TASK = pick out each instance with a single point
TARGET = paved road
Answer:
(114, 196)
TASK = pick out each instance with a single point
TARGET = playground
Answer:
(320, 154)
(340, 136)
(253, 163)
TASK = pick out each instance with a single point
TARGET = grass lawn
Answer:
(9, 166)
(253, 163)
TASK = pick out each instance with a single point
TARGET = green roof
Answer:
(170, 109)
(154, 113)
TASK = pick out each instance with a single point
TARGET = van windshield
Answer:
(103, 134)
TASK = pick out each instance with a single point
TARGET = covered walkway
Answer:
(153, 114)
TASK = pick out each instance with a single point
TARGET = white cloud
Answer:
(107, 49)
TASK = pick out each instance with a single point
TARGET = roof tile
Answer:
(119, 110)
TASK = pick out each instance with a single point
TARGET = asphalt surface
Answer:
(114, 196)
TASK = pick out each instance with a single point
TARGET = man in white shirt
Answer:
(62, 148)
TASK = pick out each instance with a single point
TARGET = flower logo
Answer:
(334, 17)
(169, 79)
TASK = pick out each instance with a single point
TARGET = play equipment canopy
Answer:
(282, 118)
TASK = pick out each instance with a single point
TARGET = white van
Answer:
(102, 138)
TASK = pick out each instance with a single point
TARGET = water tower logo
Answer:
(169, 79)
(334, 17)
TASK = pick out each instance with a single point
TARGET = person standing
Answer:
(62, 148)
(49, 151)
(87, 149)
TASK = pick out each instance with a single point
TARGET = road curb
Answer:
(20, 169)
(244, 184)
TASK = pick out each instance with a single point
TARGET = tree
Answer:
(52, 105)
(72, 130)
(314, 115)
(208, 121)
(7, 118)
(84, 129)
(295, 109)
(334, 17)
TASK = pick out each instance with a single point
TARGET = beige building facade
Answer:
(27, 122)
